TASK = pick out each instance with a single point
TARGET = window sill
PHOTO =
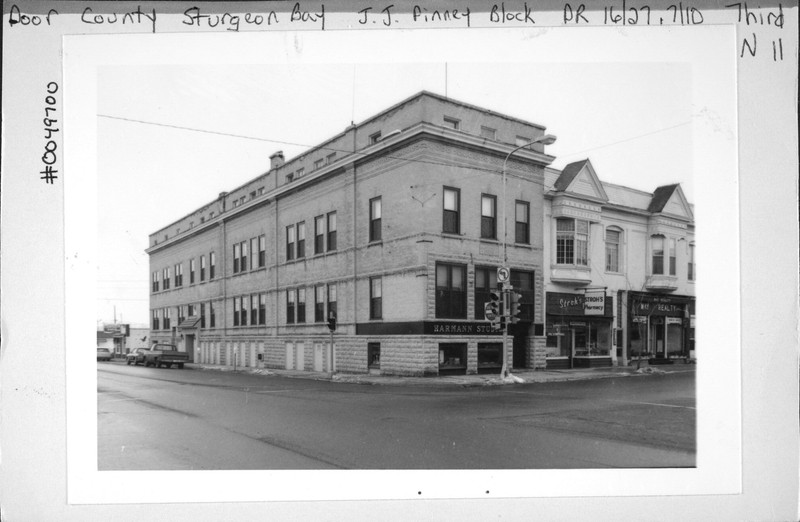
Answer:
(377, 242)
(454, 235)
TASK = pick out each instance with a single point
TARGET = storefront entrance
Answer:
(578, 334)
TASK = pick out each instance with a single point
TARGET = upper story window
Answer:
(488, 217)
(301, 305)
(155, 324)
(374, 138)
(202, 315)
(331, 231)
(262, 251)
(202, 268)
(672, 257)
(167, 275)
(657, 251)
(155, 285)
(253, 309)
(488, 132)
(485, 283)
(613, 237)
(290, 305)
(451, 123)
(290, 241)
(330, 158)
(212, 318)
(522, 222)
(319, 303)
(237, 251)
(319, 234)
(299, 173)
(260, 191)
(451, 210)
(212, 264)
(262, 308)
(178, 275)
(691, 268)
(331, 299)
(451, 291)
(375, 212)
(253, 253)
(301, 239)
(191, 270)
(375, 298)
(318, 164)
(572, 242)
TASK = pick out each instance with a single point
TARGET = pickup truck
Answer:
(161, 354)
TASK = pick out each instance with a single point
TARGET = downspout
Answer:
(355, 236)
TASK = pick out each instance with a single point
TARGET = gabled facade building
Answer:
(620, 271)
(393, 227)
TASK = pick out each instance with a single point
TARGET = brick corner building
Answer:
(394, 225)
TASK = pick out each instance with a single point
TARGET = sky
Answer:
(171, 137)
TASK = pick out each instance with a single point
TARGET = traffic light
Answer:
(514, 306)
(332, 320)
(492, 310)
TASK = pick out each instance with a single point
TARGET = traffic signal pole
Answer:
(506, 307)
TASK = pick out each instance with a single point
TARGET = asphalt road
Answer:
(160, 419)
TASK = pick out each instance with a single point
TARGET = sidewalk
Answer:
(517, 377)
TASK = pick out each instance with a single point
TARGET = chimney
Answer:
(221, 200)
(276, 160)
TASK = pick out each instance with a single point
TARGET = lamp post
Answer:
(546, 139)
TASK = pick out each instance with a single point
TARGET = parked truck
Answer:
(162, 354)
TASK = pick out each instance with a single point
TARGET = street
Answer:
(160, 419)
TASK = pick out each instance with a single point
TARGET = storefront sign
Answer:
(454, 328)
(662, 306)
(674, 320)
(596, 304)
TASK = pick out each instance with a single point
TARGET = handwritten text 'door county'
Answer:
(17, 17)
(138, 17)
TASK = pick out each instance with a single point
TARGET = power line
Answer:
(626, 139)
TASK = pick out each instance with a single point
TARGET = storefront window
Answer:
(490, 357)
(452, 358)
(374, 355)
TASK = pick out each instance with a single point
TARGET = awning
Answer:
(189, 322)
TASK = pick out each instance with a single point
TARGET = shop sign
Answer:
(594, 304)
(674, 320)
(458, 328)
(639, 319)
(575, 304)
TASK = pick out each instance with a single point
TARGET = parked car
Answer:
(103, 354)
(162, 354)
(136, 356)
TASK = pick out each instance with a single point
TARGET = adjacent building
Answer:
(620, 271)
(393, 227)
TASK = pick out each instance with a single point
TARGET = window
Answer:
(235, 203)
(319, 304)
(691, 272)
(262, 308)
(485, 283)
(289, 177)
(331, 231)
(522, 220)
(330, 158)
(243, 259)
(301, 239)
(202, 315)
(375, 298)
(451, 123)
(260, 191)
(451, 291)
(167, 317)
(236, 311)
(191, 310)
(245, 302)
(191, 271)
(331, 299)
(488, 132)
(211, 317)
(488, 217)
(290, 240)
(167, 276)
(374, 138)
(262, 251)
(237, 250)
(657, 247)
(212, 263)
(181, 314)
(319, 234)
(290, 297)
(522, 282)
(318, 164)
(254, 309)
(254, 253)
(572, 242)
(155, 283)
(202, 268)
(612, 250)
(375, 219)
(452, 206)
(299, 173)
(374, 355)
(155, 319)
(672, 257)
(301, 305)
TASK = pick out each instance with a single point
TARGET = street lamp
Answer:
(547, 139)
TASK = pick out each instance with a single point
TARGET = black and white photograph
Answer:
(339, 264)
